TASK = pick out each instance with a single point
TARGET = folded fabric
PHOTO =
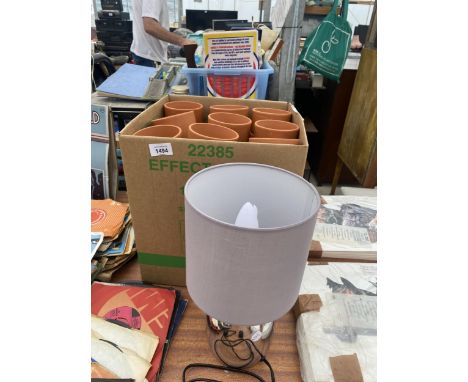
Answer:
(142, 343)
(123, 362)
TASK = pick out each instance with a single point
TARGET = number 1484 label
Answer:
(157, 149)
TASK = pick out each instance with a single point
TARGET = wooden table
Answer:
(190, 344)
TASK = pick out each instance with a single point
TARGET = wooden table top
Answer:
(190, 344)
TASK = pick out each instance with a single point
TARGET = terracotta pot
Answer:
(180, 89)
(268, 128)
(239, 123)
(183, 120)
(236, 109)
(177, 107)
(212, 132)
(259, 113)
(276, 141)
(169, 131)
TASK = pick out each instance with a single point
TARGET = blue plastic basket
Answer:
(231, 83)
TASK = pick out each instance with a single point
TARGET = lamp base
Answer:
(239, 346)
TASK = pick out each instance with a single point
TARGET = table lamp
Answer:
(248, 229)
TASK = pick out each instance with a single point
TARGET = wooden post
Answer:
(371, 38)
(180, 11)
(336, 177)
(290, 35)
(266, 10)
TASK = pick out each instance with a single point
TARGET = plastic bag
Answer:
(326, 48)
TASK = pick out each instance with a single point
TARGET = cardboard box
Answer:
(156, 170)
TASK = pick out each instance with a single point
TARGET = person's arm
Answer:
(155, 29)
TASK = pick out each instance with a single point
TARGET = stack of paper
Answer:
(111, 227)
(338, 336)
(346, 228)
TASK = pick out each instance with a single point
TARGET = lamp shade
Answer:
(239, 275)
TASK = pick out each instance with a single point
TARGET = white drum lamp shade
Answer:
(247, 276)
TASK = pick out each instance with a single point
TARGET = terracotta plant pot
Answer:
(236, 109)
(180, 89)
(268, 128)
(259, 113)
(276, 141)
(212, 132)
(183, 120)
(177, 107)
(239, 123)
(169, 131)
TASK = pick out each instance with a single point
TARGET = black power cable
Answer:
(234, 369)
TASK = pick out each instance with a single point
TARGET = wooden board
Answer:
(358, 145)
(309, 125)
(274, 51)
(190, 344)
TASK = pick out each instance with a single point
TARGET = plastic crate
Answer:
(231, 83)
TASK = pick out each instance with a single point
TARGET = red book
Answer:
(145, 308)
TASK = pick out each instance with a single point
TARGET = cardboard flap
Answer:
(145, 117)
(346, 368)
(307, 303)
(315, 249)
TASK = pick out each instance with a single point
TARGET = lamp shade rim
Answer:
(314, 210)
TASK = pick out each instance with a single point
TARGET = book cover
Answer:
(348, 278)
(99, 170)
(100, 121)
(139, 307)
(346, 228)
(103, 158)
(129, 82)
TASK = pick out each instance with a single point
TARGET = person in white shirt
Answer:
(151, 33)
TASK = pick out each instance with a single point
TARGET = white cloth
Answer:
(144, 44)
